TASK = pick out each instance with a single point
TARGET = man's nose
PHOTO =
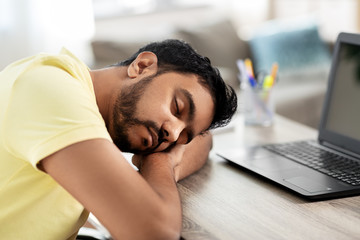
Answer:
(173, 131)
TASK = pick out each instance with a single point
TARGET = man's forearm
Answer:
(97, 175)
(195, 156)
(159, 173)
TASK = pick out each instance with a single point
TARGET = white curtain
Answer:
(31, 26)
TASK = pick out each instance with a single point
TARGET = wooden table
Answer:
(224, 202)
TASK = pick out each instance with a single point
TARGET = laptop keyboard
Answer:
(329, 163)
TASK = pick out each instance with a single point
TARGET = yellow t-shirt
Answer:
(47, 102)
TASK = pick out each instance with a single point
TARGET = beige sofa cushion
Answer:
(109, 52)
(219, 42)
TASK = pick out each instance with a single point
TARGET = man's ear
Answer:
(145, 62)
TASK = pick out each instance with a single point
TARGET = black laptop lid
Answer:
(340, 123)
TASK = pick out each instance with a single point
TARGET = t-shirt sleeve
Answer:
(48, 110)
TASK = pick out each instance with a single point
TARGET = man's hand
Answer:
(174, 156)
(184, 159)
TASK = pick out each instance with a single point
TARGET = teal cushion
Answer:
(293, 48)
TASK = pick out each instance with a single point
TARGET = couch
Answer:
(303, 57)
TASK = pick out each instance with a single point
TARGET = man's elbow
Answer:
(156, 233)
(166, 234)
(163, 225)
(168, 225)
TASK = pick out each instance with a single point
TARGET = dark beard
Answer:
(124, 115)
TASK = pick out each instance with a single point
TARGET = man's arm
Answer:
(189, 158)
(128, 205)
(195, 156)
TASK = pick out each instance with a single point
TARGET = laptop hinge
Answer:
(340, 149)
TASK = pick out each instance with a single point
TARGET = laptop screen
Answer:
(344, 109)
(341, 117)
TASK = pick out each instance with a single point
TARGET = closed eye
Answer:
(177, 107)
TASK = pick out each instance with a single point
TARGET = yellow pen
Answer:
(268, 82)
(270, 79)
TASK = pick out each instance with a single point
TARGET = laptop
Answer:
(327, 167)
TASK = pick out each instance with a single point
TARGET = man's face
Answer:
(157, 112)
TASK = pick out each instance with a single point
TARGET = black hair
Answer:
(179, 56)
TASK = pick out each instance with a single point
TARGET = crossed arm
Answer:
(130, 206)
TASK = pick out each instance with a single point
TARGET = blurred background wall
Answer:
(31, 26)
(298, 34)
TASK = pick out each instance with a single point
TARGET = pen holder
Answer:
(259, 107)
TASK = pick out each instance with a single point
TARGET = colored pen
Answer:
(268, 82)
(241, 66)
(270, 79)
(245, 74)
(249, 67)
(274, 70)
(250, 71)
